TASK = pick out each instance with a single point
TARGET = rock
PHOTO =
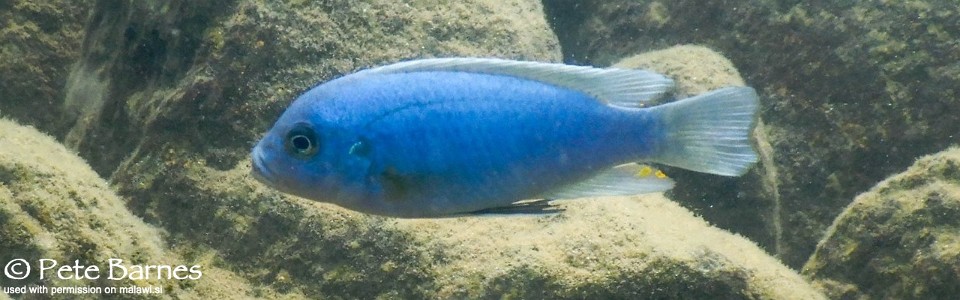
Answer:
(165, 89)
(208, 78)
(652, 248)
(630, 247)
(626, 247)
(177, 92)
(698, 69)
(899, 240)
(695, 69)
(851, 92)
(41, 39)
(53, 206)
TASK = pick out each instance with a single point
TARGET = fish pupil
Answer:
(302, 141)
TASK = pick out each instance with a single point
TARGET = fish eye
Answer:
(302, 140)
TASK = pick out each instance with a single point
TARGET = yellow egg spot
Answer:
(645, 171)
(259, 44)
(660, 174)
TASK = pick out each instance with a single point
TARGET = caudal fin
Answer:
(710, 132)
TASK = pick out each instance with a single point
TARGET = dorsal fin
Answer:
(619, 87)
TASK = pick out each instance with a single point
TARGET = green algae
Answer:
(40, 40)
(851, 91)
(53, 206)
(898, 240)
(175, 100)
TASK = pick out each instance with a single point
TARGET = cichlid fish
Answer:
(436, 137)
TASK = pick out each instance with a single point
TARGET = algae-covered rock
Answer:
(208, 77)
(169, 97)
(899, 240)
(851, 91)
(622, 247)
(172, 91)
(695, 69)
(645, 247)
(698, 69)
(39, 40)
(54, 207)
(626, 247)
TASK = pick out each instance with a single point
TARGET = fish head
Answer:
(304, 155)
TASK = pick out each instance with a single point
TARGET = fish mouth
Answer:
(260, 171)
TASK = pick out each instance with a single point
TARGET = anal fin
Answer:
(626, 179)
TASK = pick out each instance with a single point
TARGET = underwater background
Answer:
(143, 114)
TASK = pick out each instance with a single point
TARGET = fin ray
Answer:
(618, 87)
(622, 180)
(710, 132)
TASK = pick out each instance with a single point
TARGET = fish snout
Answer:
(259, 169)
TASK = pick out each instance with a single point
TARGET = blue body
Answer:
(435, 143)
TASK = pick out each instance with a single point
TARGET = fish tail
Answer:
(710, 132)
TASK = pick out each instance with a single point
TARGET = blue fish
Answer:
(438, 137)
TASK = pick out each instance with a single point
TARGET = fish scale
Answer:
(455, 148)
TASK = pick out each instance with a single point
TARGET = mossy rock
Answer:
(697, 69)
(164, 89)
(899, 240)
(176, 93)
(39, 41)
(626, 247)
(211, 77)
(851, 92)
(617, 247)
(602, 248)
(53, 206)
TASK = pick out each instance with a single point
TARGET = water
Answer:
(163, 101)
